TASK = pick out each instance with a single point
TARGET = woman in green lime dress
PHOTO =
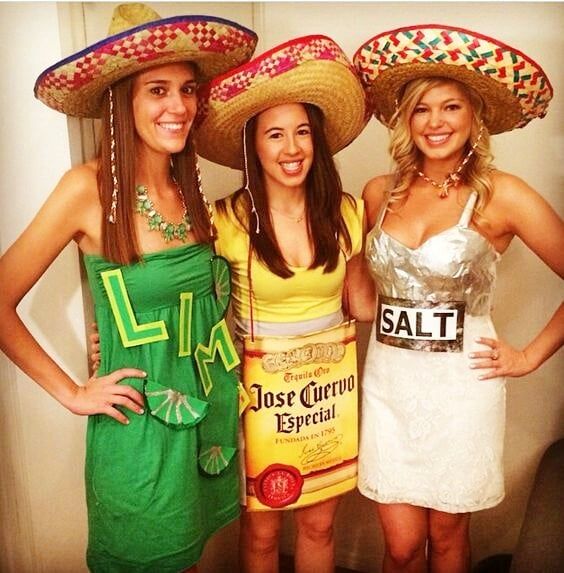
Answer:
(161, 479)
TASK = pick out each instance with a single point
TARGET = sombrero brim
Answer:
(293, 72)
(76, 84)
(513, 87)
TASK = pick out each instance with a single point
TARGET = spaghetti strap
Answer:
(468, 211)
(382, 211)
(385, 203)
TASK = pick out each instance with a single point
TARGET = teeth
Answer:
(437, 138)
(172, 126)
(291, 165)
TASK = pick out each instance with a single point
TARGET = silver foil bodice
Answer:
(458, 264)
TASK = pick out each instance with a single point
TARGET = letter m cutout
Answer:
(220, 341)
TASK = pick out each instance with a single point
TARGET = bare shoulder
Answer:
(376, 188)
(76, 198)
(374, 193)
(73, 207)
(530, 217)
(516, 209)
(515, 198)
(80, 183)
(507, 186)
(71, 212)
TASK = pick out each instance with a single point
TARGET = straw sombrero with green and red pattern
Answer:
(138, 39)
(514, 88)
(309, 69)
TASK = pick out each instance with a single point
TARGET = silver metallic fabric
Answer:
(457, 264)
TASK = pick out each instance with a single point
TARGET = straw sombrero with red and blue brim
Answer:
(310, 69)
(139, 39)
(514, 88)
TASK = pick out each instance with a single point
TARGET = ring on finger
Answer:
(495, 354)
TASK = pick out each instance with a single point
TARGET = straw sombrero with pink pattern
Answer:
(514, 88)
(310, 69)
(138, 39)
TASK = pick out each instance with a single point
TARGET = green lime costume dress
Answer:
(160, 486)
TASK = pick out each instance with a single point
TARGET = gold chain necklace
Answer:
(291, 217)
(452, 179)
(144, 206)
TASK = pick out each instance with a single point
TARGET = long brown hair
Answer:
(119, 239)
(407, 157)
(324, 195)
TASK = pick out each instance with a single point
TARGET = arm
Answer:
(374, 195)
(358, 292)
(359, 298)
(519, 210)
(71, 212)
(362, 291)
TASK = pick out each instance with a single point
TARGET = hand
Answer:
(501, 358)
(94, 347)
(101, 395)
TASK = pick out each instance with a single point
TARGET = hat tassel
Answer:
(115, 190)
(246, 187)
(201, 192)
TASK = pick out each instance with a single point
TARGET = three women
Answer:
(427, 172)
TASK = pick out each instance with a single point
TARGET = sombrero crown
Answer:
(309, 69)
(513, 87)
(139, 39)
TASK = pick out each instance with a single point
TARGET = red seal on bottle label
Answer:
(279, 485)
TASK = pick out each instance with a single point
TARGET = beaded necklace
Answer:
(144, 206)
(452, 179)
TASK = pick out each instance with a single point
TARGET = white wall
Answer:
(43, 525)
(42, 512)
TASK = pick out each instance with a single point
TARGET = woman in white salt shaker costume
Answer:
(434, 387)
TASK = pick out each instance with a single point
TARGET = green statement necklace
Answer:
(169, 231)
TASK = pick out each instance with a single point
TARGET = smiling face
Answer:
(284, 146)
(164, 106)
(441, 122)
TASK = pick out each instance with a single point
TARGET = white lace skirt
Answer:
(431, 432)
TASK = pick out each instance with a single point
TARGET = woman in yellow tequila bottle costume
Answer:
(160, 481)
(291, 236)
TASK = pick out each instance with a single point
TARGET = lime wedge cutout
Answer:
(173, 407)
(222, 281)
(215, 459)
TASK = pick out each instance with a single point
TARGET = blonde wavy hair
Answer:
(407, 157)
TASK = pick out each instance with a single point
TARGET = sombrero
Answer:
(309, 69)
(513, 87)
(138, 39)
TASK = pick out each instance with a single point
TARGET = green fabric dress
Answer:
(160, 486)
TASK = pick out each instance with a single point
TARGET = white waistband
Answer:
(243, 325)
